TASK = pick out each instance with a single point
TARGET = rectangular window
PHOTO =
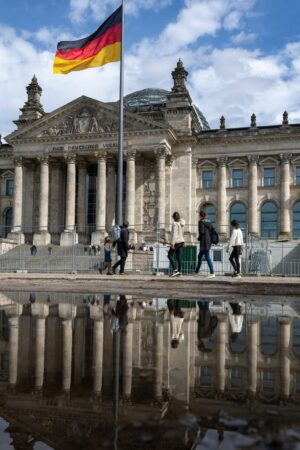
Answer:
(268, 381)
(4, 361)
(236, 377)
(207, 179)
(10, 187)
(298, 176)
(237, 178)
(206, 376)
(269, 176)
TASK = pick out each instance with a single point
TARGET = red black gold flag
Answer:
(101, 47)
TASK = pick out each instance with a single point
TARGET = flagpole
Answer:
(119, 212)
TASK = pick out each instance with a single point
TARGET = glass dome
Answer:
(157, 97)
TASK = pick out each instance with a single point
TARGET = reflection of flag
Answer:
(101, 47)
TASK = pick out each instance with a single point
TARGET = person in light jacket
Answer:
(177, 243)
(176, 319)
(236, 243)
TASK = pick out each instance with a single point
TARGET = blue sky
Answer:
(243, 56)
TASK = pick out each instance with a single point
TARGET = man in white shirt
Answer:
(236, 243)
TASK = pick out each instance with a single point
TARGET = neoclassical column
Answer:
(81, 200)
(223, 225)
(252, 355)
(79, 346)
(168, 211)
(161, 155)
(98, 354)
(16, 232)
(110, 192)
(69, 237)
(66, 313)
(221, 353)
(43, 237)
(285, 361)
(41, 312)
(13, 314)
(158, 380)
(99, 234)
(127, 340)
(130, 189)
(252, 195)
(285, 194)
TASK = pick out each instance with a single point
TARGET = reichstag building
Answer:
(58, 170)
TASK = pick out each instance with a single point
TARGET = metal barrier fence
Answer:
(149, 255)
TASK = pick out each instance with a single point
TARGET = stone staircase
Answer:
(61, 260)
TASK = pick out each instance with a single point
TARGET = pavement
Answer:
(193, 287)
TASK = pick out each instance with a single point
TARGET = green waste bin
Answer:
(189, 258)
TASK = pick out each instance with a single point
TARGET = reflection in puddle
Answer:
(106, 371)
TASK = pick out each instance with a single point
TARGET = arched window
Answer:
(210, 211)
(238, 212)
(8, 220)
(269, 220)
(296, 220)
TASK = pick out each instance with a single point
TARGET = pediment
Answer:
(82, 117)
(7, 174)
(206, 164)
(269, 160)
(237, 162)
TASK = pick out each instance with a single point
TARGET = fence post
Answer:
(73, 250)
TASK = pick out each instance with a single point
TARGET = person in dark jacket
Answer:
(122, 248)
(205, 228)
(206, 325)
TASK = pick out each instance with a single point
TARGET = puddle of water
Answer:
(122, 372)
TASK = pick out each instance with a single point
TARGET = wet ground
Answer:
(101, 371)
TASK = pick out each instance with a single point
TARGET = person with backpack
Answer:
(207, 323)
(177, 243)
(122, 248)
(207, 236)
(236, 242)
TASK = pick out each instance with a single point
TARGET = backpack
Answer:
(214, 237)
(115, 233)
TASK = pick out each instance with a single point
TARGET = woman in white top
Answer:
(177, 242)
(236, 243)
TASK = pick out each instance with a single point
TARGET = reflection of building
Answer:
(62, 344)
(63, 351)
(63, 165)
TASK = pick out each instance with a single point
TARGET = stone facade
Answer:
(64, 166)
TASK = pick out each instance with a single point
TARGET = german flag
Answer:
(101, 47)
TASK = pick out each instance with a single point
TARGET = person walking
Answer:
(236, 242)
(176, 319)
(107, 257)
(205, 229)
(122, 249)
(177, 243)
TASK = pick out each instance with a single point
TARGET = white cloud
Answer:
(232, 81)
(81, 10)
(243, 37)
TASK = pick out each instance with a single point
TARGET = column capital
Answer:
(285, 158)
(70, 158)
(162, 152)
(130, 155)
(170, 160)
(111, 160)
(101, 156)
(222, 161)
(18, 161)
(43, 160)
(253, 159)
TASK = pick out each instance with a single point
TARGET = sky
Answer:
(243, 56)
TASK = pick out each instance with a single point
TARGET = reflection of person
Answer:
(177, 242)
(176, 319)
(205, 228)
(206, 325)
(122, 248)
(236, 318)
(236, 243)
